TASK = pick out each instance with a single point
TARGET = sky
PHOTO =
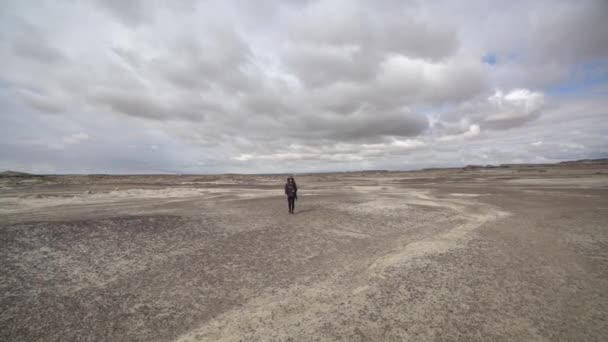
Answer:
(112, 86)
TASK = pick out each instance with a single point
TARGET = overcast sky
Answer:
(113, 86)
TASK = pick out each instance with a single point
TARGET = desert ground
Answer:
(515, 253)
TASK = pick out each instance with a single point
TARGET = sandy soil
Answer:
(440, 255)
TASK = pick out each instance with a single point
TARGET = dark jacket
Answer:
(291, 190)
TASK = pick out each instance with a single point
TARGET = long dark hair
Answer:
(293, 180)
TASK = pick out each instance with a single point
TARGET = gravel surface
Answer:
(439, 255)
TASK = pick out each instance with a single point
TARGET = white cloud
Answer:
(514, 105)
(408, 143)
(471, 132)
(496, 112)
(48, 104)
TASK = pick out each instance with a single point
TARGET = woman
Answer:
(291, 190)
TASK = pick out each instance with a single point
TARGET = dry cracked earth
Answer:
(508, 254)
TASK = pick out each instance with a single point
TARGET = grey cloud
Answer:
(510, 120)
(350, 44)
(198, 64)
(131, 104)
(403, 82)
(132, 12)
(270, 103)
(373, 29)
(363, 126)
(318, 65)
(422, 82)
(148, 106)
(129, 56)
(341, 97)
(417, 39)
(30, 42)
(571, 32)
(41, 51)
(308, 117)
(332, 23)
(458, 81)
(43, 103)
(162, 88)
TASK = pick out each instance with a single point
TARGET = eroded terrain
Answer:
(439, 255)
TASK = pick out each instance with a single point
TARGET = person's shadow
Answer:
(296, 212)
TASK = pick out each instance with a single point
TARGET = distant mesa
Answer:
(10, 173)
(603, 161)
(586, 162)
(574, 163)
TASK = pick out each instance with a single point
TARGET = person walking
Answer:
(291, 190)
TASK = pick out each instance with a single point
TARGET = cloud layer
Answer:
(299, 86)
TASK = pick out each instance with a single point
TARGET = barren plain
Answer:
(474, 254)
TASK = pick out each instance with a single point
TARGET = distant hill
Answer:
(580, 162)
(603, 161)
(10, 173)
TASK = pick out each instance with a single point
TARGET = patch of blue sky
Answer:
(584, 79)
(489, 58)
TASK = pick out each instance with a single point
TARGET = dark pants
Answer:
(291, 201)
